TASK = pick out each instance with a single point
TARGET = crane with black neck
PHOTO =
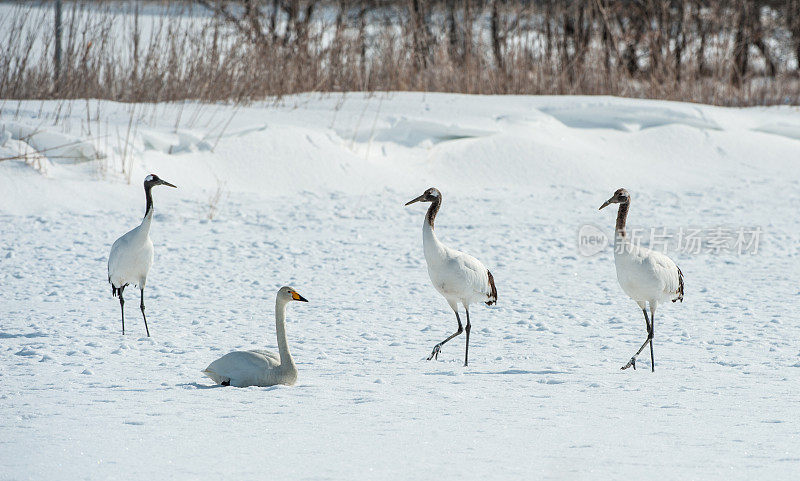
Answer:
(646, 276)
(132, 254)
(457, 276)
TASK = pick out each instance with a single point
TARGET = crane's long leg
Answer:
(468, 328)
(437, 348)
(141, 306)
(122, 307)
(632, 362)
(651, 334)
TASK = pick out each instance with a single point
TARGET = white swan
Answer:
(257, 367)
(645, 275)
(132, 254)
(457, 276)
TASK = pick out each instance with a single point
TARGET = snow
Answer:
(310, 193)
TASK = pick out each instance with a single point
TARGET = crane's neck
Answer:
(622, 217)
(280, 330)
(432, 211)
(148, 210)
(430, 243)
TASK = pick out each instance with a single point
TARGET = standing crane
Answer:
(457, 276)
(645, 275)
(132, 254)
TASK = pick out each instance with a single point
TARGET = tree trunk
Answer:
(497, 38)
(702, 29)
(680, 40)
(452, 32)
(740, 45)
(419, 34)
(793, 24)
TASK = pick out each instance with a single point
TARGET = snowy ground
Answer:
(312, 196)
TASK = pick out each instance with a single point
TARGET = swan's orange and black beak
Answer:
(298, 297)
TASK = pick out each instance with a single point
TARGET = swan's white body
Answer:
(132, 256)
(257, 367)
(251, 368)
(457, 276)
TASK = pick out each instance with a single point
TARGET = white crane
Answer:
(132, 254)
(457, 276)
(260, 368)
(645, 275)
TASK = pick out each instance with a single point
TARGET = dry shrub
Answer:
(725, 53)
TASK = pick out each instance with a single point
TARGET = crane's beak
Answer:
(298, 297)
(164, 182)
(606, 203)
(422, 197)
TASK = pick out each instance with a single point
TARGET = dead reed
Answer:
(726, 53)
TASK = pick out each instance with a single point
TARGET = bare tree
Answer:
(698, 50)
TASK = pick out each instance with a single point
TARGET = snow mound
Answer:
(56, 146)
(181, 141)
(12, 149)
(790, 130)
(412, 132)
(628, 118)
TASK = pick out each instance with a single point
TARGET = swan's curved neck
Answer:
(280, 330)
(622, 217)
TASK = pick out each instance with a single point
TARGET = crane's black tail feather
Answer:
(680, 286)
(493, 295)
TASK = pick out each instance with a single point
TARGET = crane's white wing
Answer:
(462, 276)
(667, 273)
(647, 275)
(476, 274)
(130, 259)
